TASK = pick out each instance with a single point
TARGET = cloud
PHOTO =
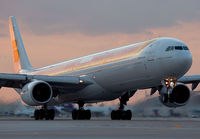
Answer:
(3, 28)
(94, 17)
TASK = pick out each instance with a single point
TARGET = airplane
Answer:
(159, 64)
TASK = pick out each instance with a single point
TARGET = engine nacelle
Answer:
(36, 93)
(175, 97)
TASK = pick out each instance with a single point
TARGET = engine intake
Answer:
(41, 92)
(175, 97)
(36, 93)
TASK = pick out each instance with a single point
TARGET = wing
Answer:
(192, 79)
(69, 83)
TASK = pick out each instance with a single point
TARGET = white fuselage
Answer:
(113, 72)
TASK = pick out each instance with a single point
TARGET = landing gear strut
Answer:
(81, 114)
(44, 113)
(122, 114)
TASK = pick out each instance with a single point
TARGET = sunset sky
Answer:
(58, 30)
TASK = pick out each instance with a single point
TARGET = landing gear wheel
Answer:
(74, 114)
(121, 115)
(81, 114)
(88, 114)
(115, 115)
(51, 114)
(39, 114)
(42, 113)
(36, 115)
(128, 115)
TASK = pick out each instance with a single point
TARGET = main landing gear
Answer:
(81, 114)
(44, 113)
(122, 114)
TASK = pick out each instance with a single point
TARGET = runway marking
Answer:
(178, 126)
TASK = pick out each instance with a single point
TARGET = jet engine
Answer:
(36, 93)
(174, 96)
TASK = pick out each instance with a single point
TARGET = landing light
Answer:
(170, 82)
(80, 81)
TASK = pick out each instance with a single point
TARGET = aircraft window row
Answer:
(171, 48)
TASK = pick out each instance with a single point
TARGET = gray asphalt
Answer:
(140, 128)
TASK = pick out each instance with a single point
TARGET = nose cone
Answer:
(185, 61)
(188, 60)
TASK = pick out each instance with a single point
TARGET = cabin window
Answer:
(170, 48)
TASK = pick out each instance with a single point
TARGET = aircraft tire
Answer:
(74, 114)
(88, 114)
(36, 114)
(81, 114)
(51, 114)
(128, 115)
(47, 114)
(115, 115)
(121, 115)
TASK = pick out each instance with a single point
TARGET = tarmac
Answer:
(101, 128)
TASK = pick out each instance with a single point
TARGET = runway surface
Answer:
(139, 128)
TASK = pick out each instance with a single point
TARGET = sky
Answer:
(55, 31)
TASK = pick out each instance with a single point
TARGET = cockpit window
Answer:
(178, 47)
(171, 48)
(185, 48)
